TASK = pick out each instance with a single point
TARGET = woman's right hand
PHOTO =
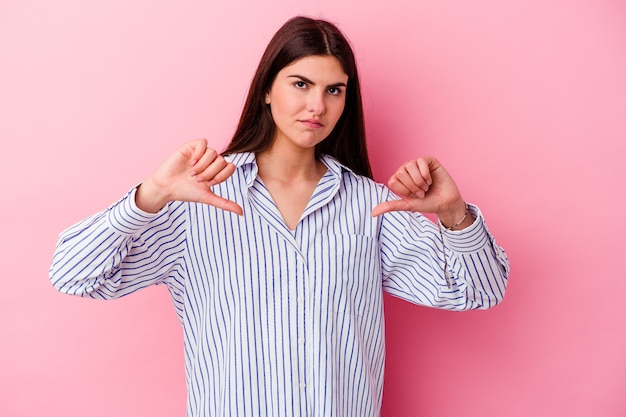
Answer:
(187, 175)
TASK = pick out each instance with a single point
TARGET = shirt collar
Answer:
(334, 166)
(246, 163)
(241, 159)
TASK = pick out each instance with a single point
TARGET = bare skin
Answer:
(306, 99)
(291, 184)
(426, 186)
(189, 173)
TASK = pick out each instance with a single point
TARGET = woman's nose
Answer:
(316, 103)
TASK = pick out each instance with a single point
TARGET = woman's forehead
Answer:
(326, 68)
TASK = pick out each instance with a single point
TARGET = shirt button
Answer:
(302, 385)
(300, 299)
(301, 340)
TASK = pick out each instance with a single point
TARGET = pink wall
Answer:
(523, 100)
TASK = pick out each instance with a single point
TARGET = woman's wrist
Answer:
(148, 198)
(457, 217)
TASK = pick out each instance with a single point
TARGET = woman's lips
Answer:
(312, 123)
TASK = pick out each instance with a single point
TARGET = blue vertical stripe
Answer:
(279, 322)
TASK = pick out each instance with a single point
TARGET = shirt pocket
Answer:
(346, 272)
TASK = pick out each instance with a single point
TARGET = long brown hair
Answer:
(297, 38)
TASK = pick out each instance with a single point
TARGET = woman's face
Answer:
(307, 99)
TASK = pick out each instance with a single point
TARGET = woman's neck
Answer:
(291, 178)
(290, 165)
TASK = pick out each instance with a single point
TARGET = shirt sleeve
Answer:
(429, 265)
(120, 250)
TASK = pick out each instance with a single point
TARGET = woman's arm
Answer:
(119, 251)
(428, 265)
(455, 264)
(139, 240)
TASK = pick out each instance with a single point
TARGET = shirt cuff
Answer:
(470, 239)
(127, 218)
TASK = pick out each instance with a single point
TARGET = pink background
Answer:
(524, 101)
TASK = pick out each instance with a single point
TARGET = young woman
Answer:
(276, 253)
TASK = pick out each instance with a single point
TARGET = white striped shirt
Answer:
(279, 322)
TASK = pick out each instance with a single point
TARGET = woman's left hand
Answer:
(425, 186)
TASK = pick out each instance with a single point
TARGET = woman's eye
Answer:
(334, 91)
(300, 84)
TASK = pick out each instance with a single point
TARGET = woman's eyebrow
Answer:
(306, 80)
